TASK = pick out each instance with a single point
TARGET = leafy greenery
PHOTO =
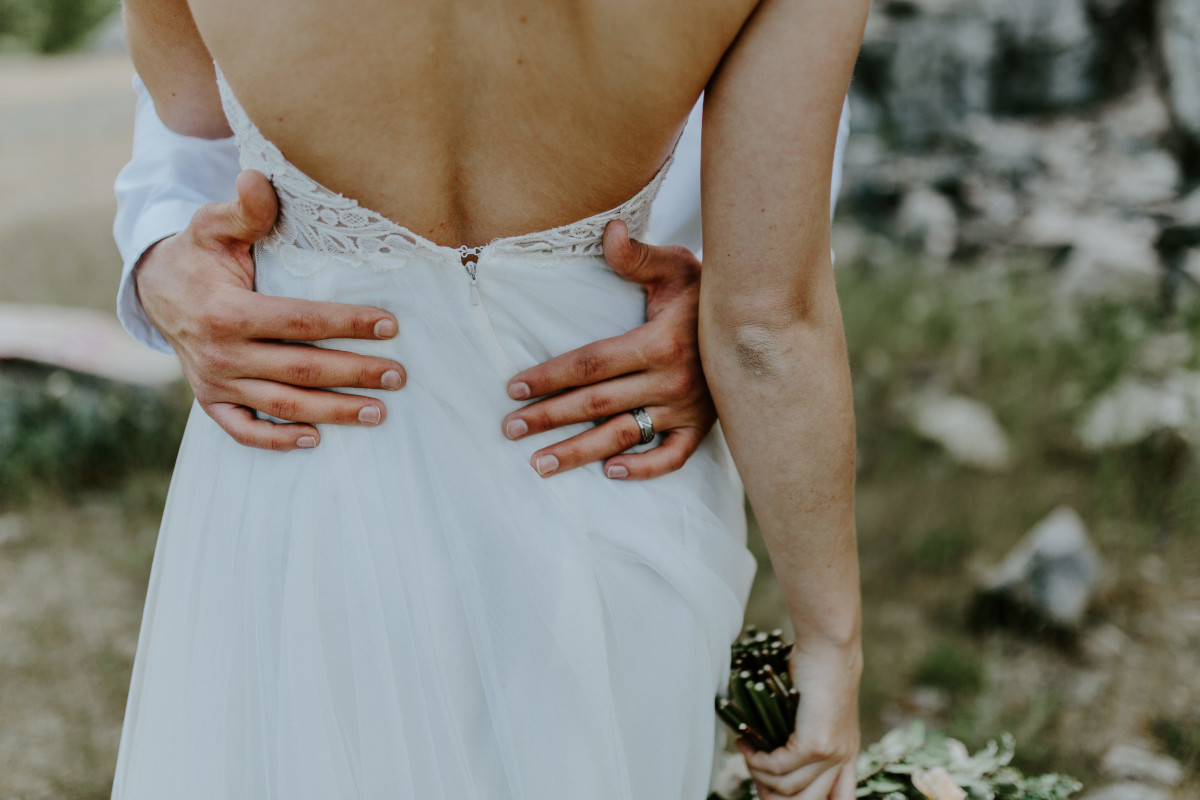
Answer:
(50, 26)
(68, 431)
(947, 667)
(909, 763)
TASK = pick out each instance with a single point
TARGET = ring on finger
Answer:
(645, 424)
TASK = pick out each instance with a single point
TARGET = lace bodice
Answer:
(315, 218)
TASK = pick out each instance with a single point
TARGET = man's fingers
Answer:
(313, 406)
(317, 367)
(676, 448)
(612, 436)
(262, 316)
(598, 361)
(588, 404)
(246, 429)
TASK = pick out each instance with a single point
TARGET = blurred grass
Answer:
(50, 26)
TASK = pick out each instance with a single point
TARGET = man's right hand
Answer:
(197, 287)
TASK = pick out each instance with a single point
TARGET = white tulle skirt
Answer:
(408, 611)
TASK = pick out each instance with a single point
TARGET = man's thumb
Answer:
(626, 256)
(253, 214)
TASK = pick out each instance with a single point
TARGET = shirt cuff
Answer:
(164, 219)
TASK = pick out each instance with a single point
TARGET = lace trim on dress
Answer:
(313, 217)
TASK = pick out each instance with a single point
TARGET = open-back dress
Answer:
(408, 611)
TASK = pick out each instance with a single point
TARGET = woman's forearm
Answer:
(779, 375)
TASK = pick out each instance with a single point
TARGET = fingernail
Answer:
(369, 415)
(516, 428)
(617, 471)
(306, 442)
(390, 379)
(385, 329)
(545, 465)
(518, 391)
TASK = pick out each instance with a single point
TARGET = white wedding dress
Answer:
(408, 611)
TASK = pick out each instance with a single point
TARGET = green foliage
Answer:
(68, 432)
(942, 549)
(51, 26)
(909, 763)
(947, 667)
(1180, 738)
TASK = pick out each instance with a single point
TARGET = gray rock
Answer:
(1138, 763)
(928, 218)
(1143, 179)
(1165, 353)
(939, 72)
(1135, 408)
(1112, 255)
(965, 428)
(1127, 790)
(1045, 54)
(1179, 32)
(1054, 570)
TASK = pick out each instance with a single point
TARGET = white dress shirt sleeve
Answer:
(675, 215)
(158, 191)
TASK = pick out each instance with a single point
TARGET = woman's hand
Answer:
(818, 760)
(655, 366)
(197, 287)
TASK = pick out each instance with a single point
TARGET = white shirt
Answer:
(170, 176)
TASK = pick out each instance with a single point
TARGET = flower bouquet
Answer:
(908, 763)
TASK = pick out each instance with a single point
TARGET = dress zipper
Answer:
(472, 268)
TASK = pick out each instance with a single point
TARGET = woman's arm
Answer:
(774, 353)
(176, 67)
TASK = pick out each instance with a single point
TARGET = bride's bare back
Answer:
(469, 121)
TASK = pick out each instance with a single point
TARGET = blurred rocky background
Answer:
(1018, 255)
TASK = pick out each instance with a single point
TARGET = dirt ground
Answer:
(66, 129)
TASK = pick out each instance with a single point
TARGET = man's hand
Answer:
(197, 287)
(655, 366)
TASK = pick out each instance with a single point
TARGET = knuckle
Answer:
(590, 367)
(305, 323)
(671, 349)
(303, 371)
(627, 437)
(283, 407)
(596, 405)
(821, 749)
(675, 460)
(219, 360)
(277, 443)
(204, 219)
(538, 419)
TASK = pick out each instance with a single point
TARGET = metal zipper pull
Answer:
(472, 268)
(475, 299)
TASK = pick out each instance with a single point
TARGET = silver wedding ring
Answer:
(645, 424)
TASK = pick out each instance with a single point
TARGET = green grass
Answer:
(50, 26)
(955, 670)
